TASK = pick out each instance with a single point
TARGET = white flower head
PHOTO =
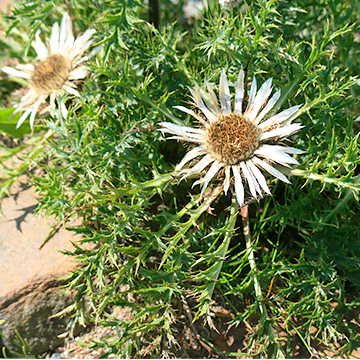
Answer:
(228, 3)
(236, 143)
(194, 8)
(61, 62)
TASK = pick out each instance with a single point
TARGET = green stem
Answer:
(251, 256)
(259, 296)
(223, 248)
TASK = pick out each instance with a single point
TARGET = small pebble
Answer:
(56, 356)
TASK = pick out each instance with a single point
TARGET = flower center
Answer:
(50, 74)
(232, 138)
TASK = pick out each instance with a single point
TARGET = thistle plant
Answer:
(282, 268)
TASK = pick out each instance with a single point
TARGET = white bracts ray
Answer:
(279, 118)
(70, 83)
(224, 93)
(286, 149)
(281, 132)
(29, 96)
(253, 177)
(252, 93)
(28, 68)
(259, 176)
(195, 93)
(239, 187)
(82, 43)
(66, 27)
(83, 58)
(183, 135)
(200, 166)
(227, 179)
(214, 168)
(23, 117)
(66, 40)
(68, 44)
(213, 98)
(192, 113)
(78, 73)
(180, 130)
(200, 104)
(271, 170)
(34, 110)
(199, 150)
(187, 138)
(52, 100)
(40, 48)
(249, 179)
(71, 90)
(293, 116)
(65, 32)
(63, 110)
(79, 60)
(28, 99)
(273, 100)
(270, 152)
(239, 92)
(209, 104)
(54, 39)
(16, 73)
(260, 99)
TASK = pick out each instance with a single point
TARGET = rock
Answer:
(30, 314)
(21, 235)
(56, 356)
(29, 285)
(4, 5)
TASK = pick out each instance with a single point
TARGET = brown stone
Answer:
(29, 285)
(21, 236)
(30, 313)
(4, 4)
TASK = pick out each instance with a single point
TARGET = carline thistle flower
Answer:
(60, 63)
(235, 144)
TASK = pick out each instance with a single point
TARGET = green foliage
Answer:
(8, 122)
(20, 343)
(156, 246)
